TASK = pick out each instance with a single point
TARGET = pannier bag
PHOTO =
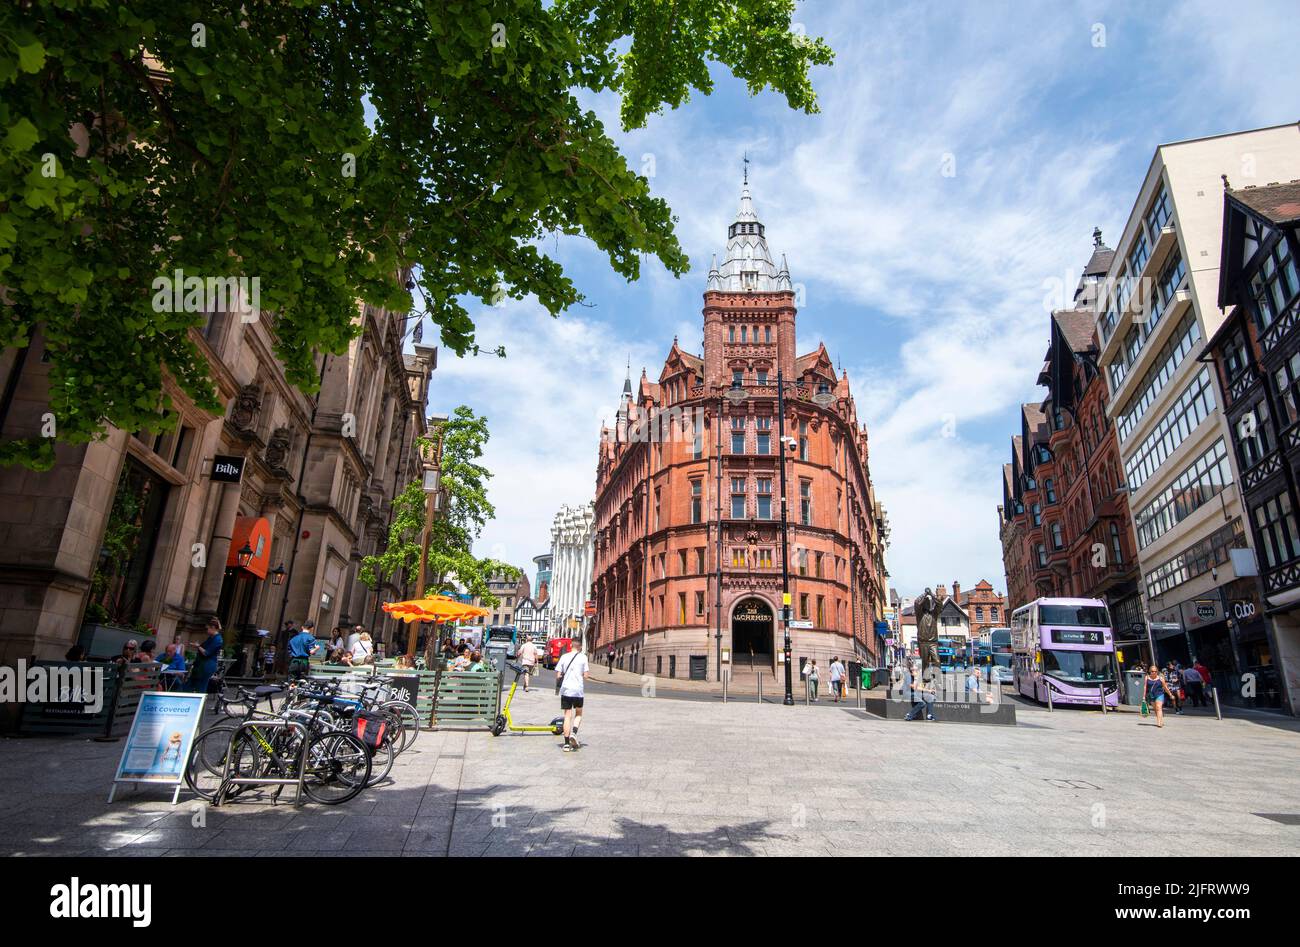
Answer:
(371, 727)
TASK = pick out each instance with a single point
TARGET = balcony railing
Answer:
(1290, 437)
(1283, 578)
(1241, 385)
(1282, 326)
(1271, 464)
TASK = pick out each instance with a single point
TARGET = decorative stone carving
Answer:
(277, 449)
(243, 415)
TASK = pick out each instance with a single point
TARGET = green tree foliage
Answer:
(451, 563)
(228, 138)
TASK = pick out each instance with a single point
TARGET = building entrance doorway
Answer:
(752, 634)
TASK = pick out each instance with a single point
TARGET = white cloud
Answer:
(544, 403)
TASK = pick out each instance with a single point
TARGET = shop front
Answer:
(1225, 630)
(1209, 640)
(1169, 636)
(1260, 684)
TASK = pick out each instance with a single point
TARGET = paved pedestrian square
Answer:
(671, 776)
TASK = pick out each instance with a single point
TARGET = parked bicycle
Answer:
(334, 765)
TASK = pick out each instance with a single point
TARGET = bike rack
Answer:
(227, 781)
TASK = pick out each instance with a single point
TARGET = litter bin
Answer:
(866, 678)
(1133, 688)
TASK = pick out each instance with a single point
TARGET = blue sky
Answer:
(928, 288)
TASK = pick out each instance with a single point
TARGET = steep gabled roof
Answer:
(954, 604)
(1035, 422)
(1078, 326)
(1275, 206)
(1277, 203)
(819, 359)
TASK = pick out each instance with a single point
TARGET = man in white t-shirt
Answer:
(527, 660)
(571, 677)
(837, 677)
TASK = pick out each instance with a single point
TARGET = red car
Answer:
(556, 648)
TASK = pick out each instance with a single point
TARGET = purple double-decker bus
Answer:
(1067, 645)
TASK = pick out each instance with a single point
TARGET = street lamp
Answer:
(278, 574)
(432, 485)
(244, 556)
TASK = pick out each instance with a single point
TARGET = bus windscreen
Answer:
(1078, 666)
(1087, 616)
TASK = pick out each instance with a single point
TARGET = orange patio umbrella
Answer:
(436, 608)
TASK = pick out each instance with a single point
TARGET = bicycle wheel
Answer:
(410, 720)
(381, 762)
(212, 748)
(337, 767)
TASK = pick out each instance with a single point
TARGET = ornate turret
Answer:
(747, 264)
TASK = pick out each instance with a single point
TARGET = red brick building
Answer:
(1065, 523)
(986, 608)
(688, 535)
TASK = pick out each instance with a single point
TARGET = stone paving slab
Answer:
(660, 776)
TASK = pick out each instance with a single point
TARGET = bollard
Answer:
(726, 676)
(807, 692)
(1047, 687)
(1218, 711)
(1102, 688)
(760, 687)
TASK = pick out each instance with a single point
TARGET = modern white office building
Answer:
(572, 549)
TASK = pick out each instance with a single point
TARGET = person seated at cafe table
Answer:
(128, 652)
(173, 658)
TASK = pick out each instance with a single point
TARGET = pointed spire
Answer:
(783, 276)
(747, 264)
(627, 381)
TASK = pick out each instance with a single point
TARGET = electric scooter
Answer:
(505, 722)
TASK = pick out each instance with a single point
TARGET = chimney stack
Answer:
(956, 591)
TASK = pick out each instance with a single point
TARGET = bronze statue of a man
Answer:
(926, 610)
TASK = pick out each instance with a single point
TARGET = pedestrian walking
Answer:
(1174, 678)
(814, 677)
(527, 659)
(1195, 685)
(973, 684)
(570, 681)
(837, 677)
(609, 658)
(1157, 690)
(301, 647)
(205, 663)
(268, 661)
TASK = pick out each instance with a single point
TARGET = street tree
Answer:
(162, 156)
(451, 564)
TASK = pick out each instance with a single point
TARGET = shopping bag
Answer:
(1144, 708)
